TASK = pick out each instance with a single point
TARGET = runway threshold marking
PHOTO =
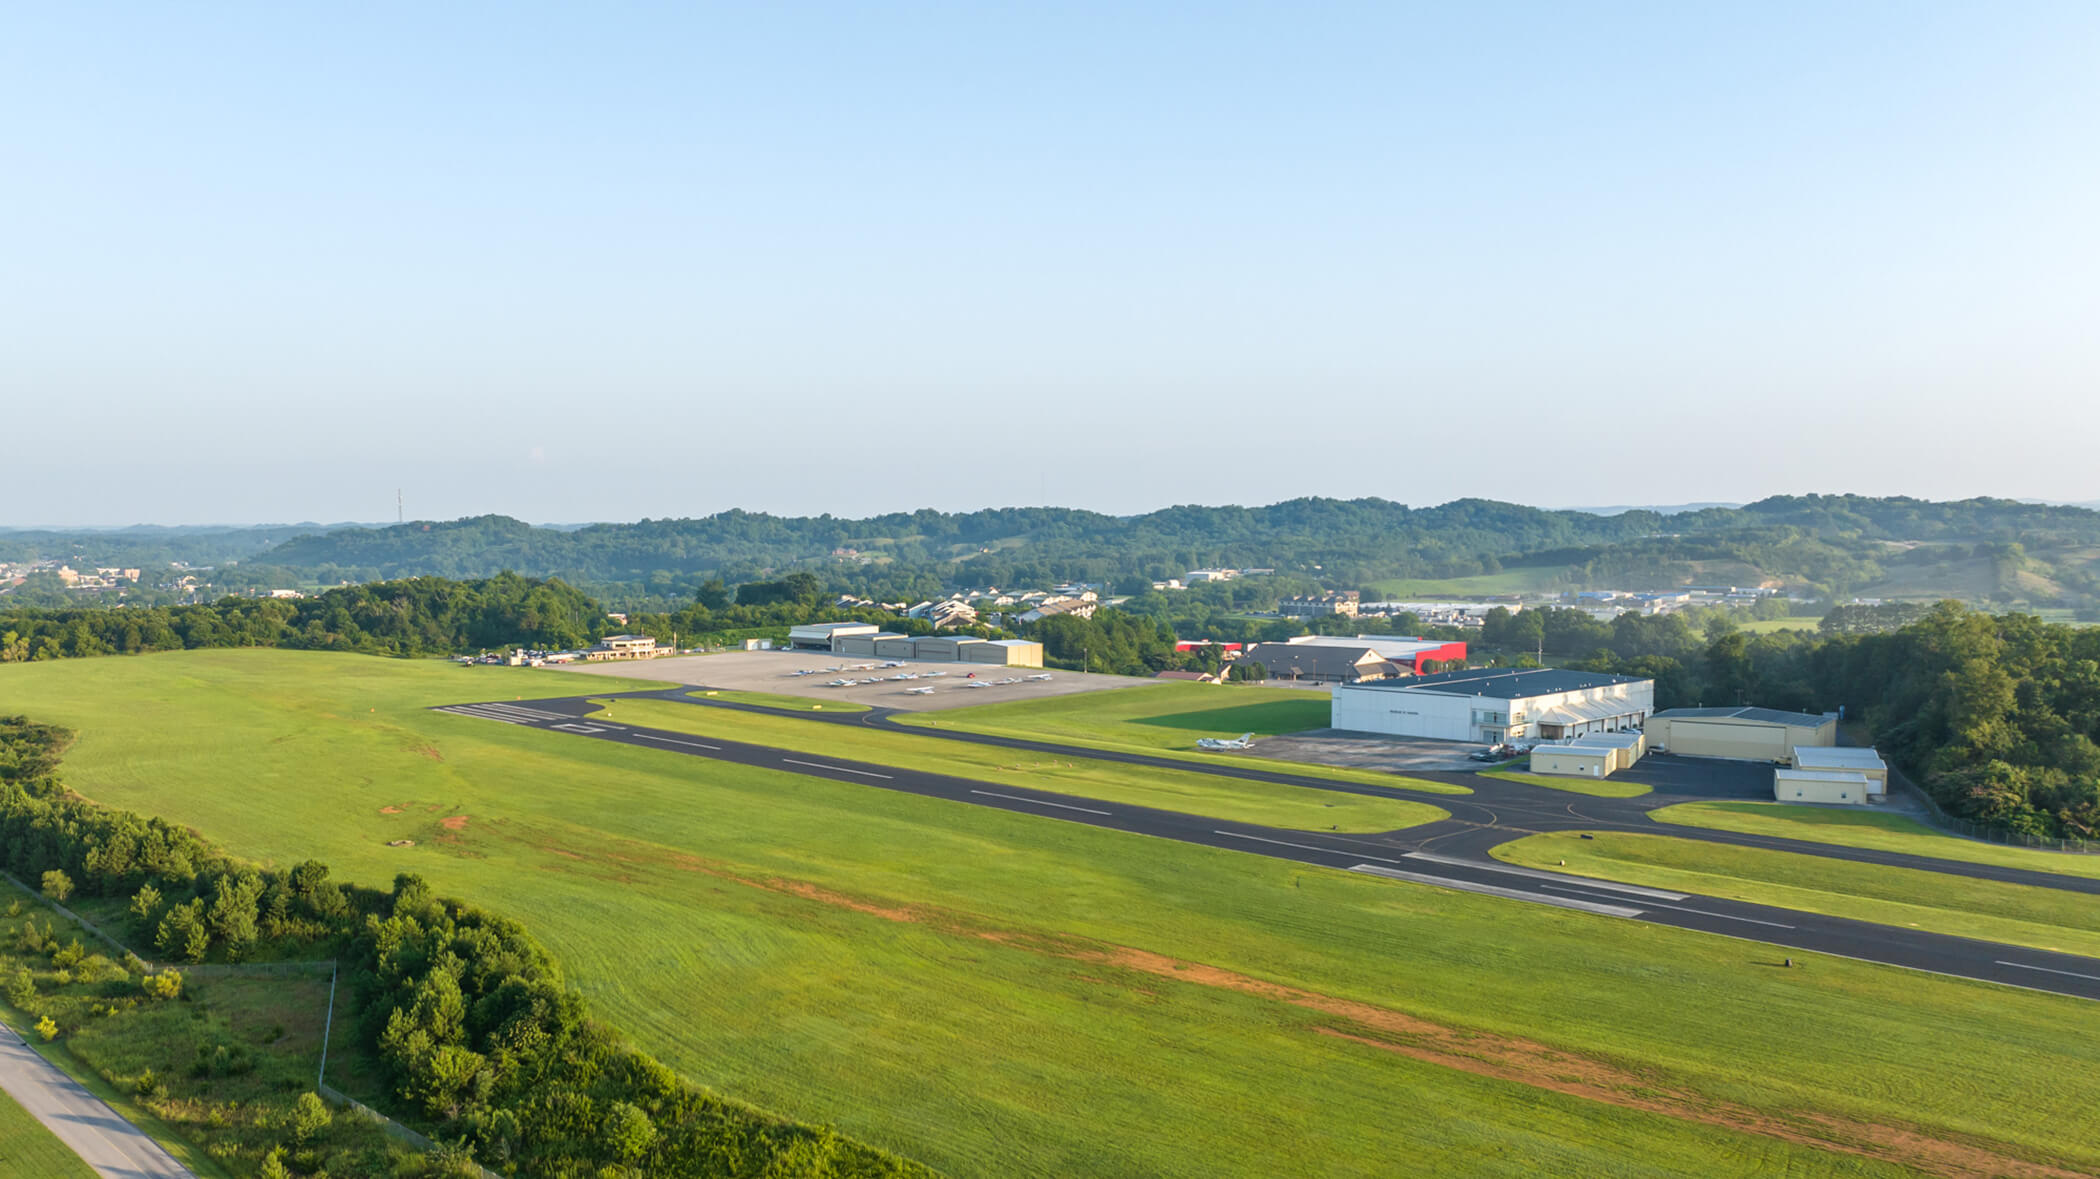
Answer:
(676, 741)
(1038, 802)
(2049, 970)
(1496, 890)
(835, 769)
(1683, 909)
(1333, 851)
(1556, 877)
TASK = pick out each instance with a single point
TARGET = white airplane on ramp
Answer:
(926, 691)
(1222, 744)
(1042, 676)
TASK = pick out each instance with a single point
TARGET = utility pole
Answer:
(399, 516)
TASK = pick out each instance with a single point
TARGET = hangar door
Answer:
(1749, 742)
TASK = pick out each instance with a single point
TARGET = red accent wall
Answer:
(1447, 653)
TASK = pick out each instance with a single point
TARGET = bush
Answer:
(310, 1116)
(165, 985)
(57, 885)
(47, 1029)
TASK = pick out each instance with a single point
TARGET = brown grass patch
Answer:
(454, 822)
(392, 810)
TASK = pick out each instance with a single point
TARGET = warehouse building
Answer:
(1411, 656)
(1743, 734)
(1598, 755)
(862, 646)
(1839, 787)
(1852, 759)
(1307, 663)
(823, 636)
(1496, 704)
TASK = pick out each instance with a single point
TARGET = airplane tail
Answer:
(1246, 738)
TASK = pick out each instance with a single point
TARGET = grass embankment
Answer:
(1235, 799)
(772, 700)
(28, 1151)
(2018, 914)
(998, 993)
(1167, 719)
(1868, 829)
(1594, 787)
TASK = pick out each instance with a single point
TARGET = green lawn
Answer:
(996, 993)
(1235, 799)
(2019, 914)
(28, 1151)
(1595, 788)
(1766, 626)
(1869, 829)
(774, 700)
(1167, 719)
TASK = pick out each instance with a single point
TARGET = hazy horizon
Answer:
(572, 265)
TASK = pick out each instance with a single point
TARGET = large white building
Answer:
(1496, 704)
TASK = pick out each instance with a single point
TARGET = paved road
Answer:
(112, 1146)
(1450, 853)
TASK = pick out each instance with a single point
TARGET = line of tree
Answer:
(478, 1037)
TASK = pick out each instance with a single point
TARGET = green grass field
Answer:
(1595, 788)
(2019, 914)
(1167, 719)
(28, 1151)
(1235, 799)
(774, 700)
(1869, 829)
(1004, 994)
(1766, 626)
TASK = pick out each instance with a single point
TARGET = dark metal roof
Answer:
(1769, 716)
(1301, 659)
(1507, 683)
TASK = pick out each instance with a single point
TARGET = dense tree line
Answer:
(417, 616)
(477, 1035)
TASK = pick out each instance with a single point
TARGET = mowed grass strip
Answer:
(1594, 787)
(29, 1151)
(2017, 914)
(774, 700)
(1868, 829)
(904, 968)
(1167, 719)
(1265, 803)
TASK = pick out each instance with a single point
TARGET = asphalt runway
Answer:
(115, 1148)
(1450, 853)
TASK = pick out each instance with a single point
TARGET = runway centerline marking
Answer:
(835, 769)
(1039, 802)
(676, 741)
(1332, 851)
(2048, 970)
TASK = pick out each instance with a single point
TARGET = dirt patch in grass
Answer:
(1508, 1058)
(392, 810)
(454, 822)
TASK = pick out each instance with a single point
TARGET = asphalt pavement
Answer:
(114, 1147)
(1450, 853)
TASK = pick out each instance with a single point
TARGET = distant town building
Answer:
(624, 647)
(1318, 605)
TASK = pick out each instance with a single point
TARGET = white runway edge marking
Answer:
(483, 716)
(1556, 877)
(2048, 970)
(815, 765)
(1333, 851)
(676, 741)
(1038, 802)
(1514, 894)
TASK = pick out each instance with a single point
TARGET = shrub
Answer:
(57, 885)
(47, 1029)
(165, 985)
(310, 1116)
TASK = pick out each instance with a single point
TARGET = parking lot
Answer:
(774, 671)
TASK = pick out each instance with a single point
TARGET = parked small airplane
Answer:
(925, 691)
(893, 663)
(1041, 676)
(978, 684)
(1221, 744)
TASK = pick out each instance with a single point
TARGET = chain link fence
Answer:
(1983, 831)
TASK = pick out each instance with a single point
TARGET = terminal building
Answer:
(1744, 734)
(1493, 705)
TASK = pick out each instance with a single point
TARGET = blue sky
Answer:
(613, 261)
